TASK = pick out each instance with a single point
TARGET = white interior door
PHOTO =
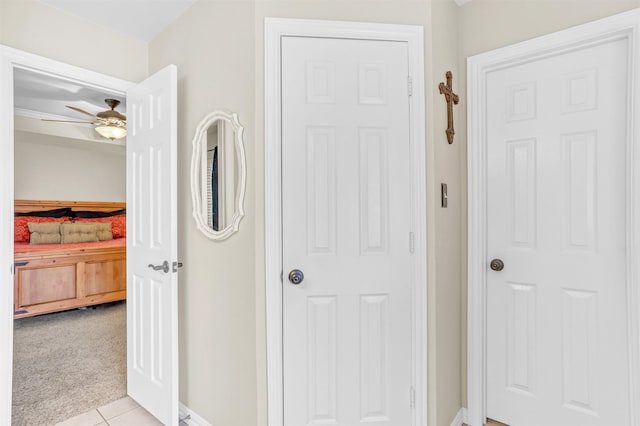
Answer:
(152, 295)
(347, 327)
(557, 348)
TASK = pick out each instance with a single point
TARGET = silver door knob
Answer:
(164, 267)
(296, 276)
(497, 265)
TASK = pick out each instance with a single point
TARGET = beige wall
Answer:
(445, 307)
(212, 45)
(489, 24)
(218, 48)
(53, 168)
(38, 28)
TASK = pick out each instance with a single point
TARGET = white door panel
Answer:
(152, 354)
(346, 224)
(557, 345)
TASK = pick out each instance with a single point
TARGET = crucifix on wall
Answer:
(451, 98)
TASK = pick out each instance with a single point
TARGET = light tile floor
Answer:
(123, 412)
(492, 423)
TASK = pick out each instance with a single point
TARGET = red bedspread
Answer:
(30, 248)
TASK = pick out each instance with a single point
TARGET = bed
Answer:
(57, 277)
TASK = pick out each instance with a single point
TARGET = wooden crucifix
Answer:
(451, 98)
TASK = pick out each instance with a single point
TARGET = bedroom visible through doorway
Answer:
(70, 283)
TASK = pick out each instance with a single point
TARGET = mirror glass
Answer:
(218, 175)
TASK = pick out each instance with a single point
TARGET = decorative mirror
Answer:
(218, 175)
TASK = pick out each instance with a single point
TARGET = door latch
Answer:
(176, 265)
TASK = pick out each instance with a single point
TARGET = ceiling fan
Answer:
(109, 124)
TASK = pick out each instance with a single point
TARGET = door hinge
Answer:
(412, 242)
(410, 85)
(412, 397)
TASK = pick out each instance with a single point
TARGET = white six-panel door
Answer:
(152, 295)
(557, 349)
(347, 328)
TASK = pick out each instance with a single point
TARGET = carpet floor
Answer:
(68, 363)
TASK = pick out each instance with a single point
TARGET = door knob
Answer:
(296, 276)
(164, 267)
(497, 265)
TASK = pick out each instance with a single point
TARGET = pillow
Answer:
(78, 233)
(65, 211)
(118, 224)
(44, 232)
(90, 214)
(103, 231)
(21, 230)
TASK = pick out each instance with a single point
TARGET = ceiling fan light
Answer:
(111, 131)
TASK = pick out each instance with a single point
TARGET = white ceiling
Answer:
(38, 96)
(44, 96)
(141, 19)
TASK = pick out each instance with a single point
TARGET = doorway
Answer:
(12, 60)
(553, 278)
(321, 165)
(72, 164)
(152, 219)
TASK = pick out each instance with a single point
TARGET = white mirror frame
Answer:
(200, 149)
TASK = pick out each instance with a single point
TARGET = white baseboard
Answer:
(194, 419)
(460, 418)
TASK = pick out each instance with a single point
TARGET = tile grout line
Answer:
(100, 414)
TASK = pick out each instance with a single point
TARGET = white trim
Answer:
(622, 26)
(413, 35)
(11, 59)
(194, 419)
(461, 417)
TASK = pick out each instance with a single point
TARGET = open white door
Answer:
(152, 246)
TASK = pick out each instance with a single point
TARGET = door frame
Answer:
(275, 29)
(624, 26)
(11, 59)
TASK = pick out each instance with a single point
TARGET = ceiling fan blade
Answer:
(69, 121)
(81, 111)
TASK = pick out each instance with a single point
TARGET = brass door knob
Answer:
(497, 265)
